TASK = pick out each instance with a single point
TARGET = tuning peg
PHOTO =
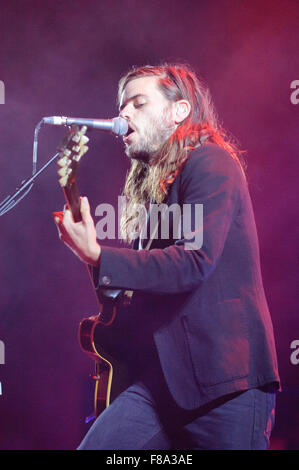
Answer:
(64, 161)
(76, 138)
(64, 171)
(83, 150)
(63, 181)
(76, 149)
(84, 139)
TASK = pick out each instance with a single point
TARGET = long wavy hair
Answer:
(147, 182)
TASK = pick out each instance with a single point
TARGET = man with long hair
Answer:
(203, 351)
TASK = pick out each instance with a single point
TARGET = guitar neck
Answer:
(72, 197)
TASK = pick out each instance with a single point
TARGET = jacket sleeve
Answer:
(211, 177)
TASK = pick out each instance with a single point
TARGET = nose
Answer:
(126, 112)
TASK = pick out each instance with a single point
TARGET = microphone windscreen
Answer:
(120, 126)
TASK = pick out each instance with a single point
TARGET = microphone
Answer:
(118, 126)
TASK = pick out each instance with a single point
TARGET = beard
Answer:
(149, 142)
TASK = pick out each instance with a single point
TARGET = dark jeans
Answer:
(143, 417)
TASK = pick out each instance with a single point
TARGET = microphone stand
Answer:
(9, 202)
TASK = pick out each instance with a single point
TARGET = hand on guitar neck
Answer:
(75, 225)
(80, 236)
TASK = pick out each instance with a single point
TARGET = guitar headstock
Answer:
(72, 149)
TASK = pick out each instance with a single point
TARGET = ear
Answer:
(182, 110)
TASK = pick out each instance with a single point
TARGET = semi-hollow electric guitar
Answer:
(101, 335)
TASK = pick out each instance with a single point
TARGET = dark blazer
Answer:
(205, 308)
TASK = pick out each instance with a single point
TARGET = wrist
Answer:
(94, 258)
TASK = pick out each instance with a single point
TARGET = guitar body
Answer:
(100, 341)
(100, 336)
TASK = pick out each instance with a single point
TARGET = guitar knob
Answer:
(89, 418)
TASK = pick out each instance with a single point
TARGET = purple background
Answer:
(65, 58)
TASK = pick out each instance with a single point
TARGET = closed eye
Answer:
(138, 105)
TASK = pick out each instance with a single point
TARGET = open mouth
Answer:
(129, 133)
